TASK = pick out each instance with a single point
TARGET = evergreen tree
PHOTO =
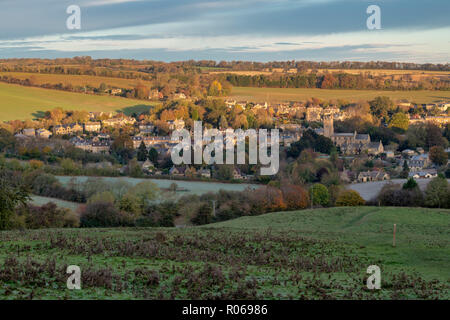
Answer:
(142, 152)
(405, 172)
(153, 155)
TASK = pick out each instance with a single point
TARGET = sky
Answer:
(256, 30)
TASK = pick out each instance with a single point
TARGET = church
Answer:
(351, 143)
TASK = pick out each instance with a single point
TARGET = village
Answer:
(95, 134)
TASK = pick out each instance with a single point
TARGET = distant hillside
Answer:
(19, 102)
(278, 95)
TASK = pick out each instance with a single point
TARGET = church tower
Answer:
(328, 126)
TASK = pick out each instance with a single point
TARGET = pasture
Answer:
(309, 254)
(278, 95)
(189, 187)
(19, 102)
(76, 80)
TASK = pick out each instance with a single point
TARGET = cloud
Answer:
(231, 28)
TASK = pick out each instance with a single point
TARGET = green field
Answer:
(76, 80)
(19, 102)
(287, 94)
(309, 254)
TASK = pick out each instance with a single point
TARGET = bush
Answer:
(437, 194)
(350, 198)
(103, 214)
(48, 216)
(319, 194)
(159, 215)
(295, 197)
(410, 184)
(394, 195)
(203, 216)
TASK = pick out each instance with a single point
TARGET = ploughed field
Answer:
(309, 254)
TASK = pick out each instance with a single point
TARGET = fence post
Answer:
(395, 229)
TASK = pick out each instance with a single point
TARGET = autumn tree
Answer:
(438, 155)
(400, 121)
(319, 194)
(215, 89)
(349, 198)
(295, 197)
(380, 106)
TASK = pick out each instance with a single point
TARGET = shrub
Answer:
(36, 164)
(319, 194)
(49, 216)
(203, 216)
(103, 214)
(295, 197)
(437, 194)
(350, 198)
(393, 195)
(410, 184)
(159, 215)
(12, 193)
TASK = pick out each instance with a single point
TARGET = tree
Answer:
(434, 136)
(122, 148)
(203, 216)
(400, 121)
(153, 155)
(319, 194)
(142, 152)
(143, 193)
(295, 197)
(102, 87)
(102, 196)
(437, 193)
(438, 155)
(410, 184)
(7, 140)
(134, 169)
(311, 140)
(215, 89)
(405, 172)
(380, 106)
(223, 124)
(12, 193)
(349, 198)
(102, 214)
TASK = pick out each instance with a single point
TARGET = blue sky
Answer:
(259, 30)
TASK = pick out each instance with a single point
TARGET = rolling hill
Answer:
(278, 95)
(19, 102)
(309, 254)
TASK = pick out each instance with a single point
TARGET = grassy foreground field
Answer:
(310, 254)
(292, 94)
(19, 102)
